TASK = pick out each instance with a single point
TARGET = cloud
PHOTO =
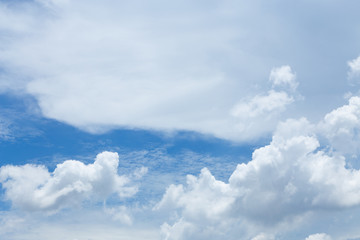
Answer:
(9, 223)
(285, 181)
(76, 224)
(341, 127)
(283, 76)
(34, 188)
(354, 68)
(252, 113)
(319, 236)
(98, 68)
(120, 214)
(263, 236)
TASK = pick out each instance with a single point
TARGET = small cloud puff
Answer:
(283, 76)
(34, 188)
(354, 68)
(319, 236)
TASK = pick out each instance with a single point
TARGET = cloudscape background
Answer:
(179, 120)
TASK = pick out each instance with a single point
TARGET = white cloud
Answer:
(98, 68)
(263, 236)
(283, 76)
(283, 183)
(262, 106)
(319, 236)
(34, 188)
(354, 68)
(253, 113)
(341, 127)
(120, 214)
(106, 65)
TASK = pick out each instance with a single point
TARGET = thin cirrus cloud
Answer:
(285, 181)
(33, 188)
(99, 73)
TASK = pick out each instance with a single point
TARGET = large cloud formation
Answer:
(34, 188)
(99, 66)
(293, 176)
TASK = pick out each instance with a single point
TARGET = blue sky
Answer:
(179, 120)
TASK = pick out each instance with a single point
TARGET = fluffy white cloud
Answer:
(33, 188)
(342, 126)
(283, 76)
(96, 66)
(285, 180)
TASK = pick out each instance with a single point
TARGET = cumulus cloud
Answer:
(341, 127)
(283, 76)
(34, 188)
(286, 180)
(98, 68)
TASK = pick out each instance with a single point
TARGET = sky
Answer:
(176, 120)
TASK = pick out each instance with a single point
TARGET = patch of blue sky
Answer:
(169, 158)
